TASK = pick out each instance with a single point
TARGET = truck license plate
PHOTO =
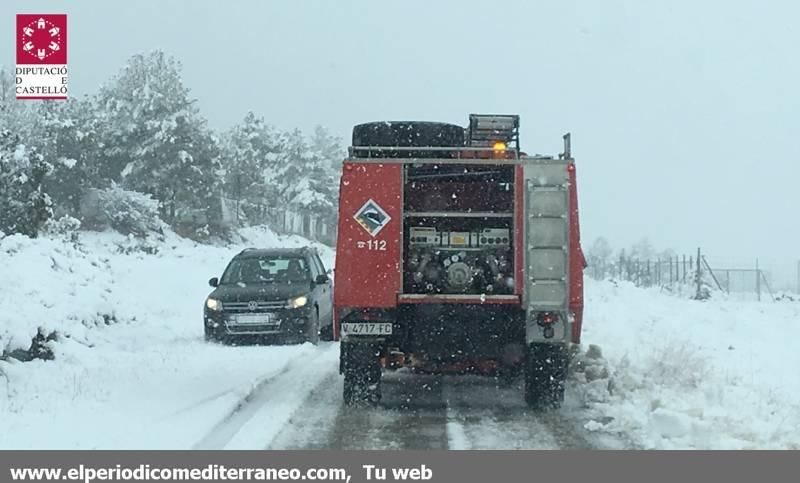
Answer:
(367, 328)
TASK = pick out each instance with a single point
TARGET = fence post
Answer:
(758, 281)
(658, 272)
(684, 268)
(698, 275)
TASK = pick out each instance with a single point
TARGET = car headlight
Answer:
(298, 302)
(214, 304)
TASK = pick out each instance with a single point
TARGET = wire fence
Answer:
(292, 220)
(691, 273)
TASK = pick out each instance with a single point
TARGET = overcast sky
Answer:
(684, 114)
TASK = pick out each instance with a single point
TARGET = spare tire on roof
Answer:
(407, 134)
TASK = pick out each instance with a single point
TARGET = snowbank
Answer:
(686, 374)
(130, 351)
(54, 284)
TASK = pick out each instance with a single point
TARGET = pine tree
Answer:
(71, 144)
(248, 150)
(24, 206)
(329, 147)
(302, 175)
(15, 116)
(156, 141)
(599, 258)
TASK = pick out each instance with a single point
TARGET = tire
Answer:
(211, 335)
(360, 364)
(506, 375)
(407, 134)
(326, 332)
(545, 375)
(312, 329)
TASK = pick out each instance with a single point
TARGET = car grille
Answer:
(244, 307)
(253, 329)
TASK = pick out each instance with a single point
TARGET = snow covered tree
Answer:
(7, 96)
(642, 250)
(599, 258)
(15, 116)
(24, 206)
(248, 151)
(71, 144)
(329, 147)
(302, 175)
(155, 139)
(129, 212)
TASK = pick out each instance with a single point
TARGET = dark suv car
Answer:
(271, 292)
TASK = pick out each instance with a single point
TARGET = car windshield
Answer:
(266, 269)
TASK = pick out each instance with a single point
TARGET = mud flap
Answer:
(359, 361)
(545, 375)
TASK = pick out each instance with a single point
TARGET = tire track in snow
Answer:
(310, 425)
(260, 415)
(485, 414)
(419, 412)
(411, 415)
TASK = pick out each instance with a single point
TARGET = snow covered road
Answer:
(272, 402)
(132, 370)
(421, 412)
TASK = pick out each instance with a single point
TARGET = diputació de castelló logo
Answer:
(41, 56)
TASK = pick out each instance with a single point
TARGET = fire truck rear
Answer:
(456, 252)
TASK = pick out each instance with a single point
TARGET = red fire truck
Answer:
(456, 252)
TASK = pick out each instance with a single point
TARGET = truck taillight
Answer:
(547, 318)
(367, 315)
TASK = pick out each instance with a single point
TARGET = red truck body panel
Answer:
(577, 260)
(519, 230)
(368, 264)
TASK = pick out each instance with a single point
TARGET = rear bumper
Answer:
(448, 331)
(458, 299)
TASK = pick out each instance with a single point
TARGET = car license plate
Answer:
(367, 328)
(252, 319)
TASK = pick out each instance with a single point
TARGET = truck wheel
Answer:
(506, 374)
(360, 364)
(545, 375)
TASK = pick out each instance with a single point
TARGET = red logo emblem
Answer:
(41, 39)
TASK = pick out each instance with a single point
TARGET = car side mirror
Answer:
(321, 279)
(214, 282)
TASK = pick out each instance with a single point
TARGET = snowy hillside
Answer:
(147, 379)
(131, 369)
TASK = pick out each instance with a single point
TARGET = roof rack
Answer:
(457, 150)
(488, 129)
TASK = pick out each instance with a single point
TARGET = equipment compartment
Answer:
(458, 229)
